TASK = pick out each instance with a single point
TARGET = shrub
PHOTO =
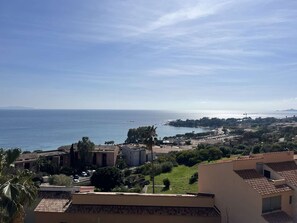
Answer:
(166, 167)
(193, 178)
(61, 180)
(166, 183)
(127, 172)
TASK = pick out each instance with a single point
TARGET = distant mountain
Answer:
(288, 110)
(16, 108)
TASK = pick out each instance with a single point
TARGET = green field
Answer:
(179, 181)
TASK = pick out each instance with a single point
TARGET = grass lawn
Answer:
(179, 181)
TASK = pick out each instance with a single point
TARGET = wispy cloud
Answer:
(199, 10)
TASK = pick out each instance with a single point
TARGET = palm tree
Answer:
(16, 189)
(149, 140)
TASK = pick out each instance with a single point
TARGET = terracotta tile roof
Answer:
(287, 170)
(260, 183)
(53, 201)
(59, 205)
(52, 205)
(143, 210)
(278, 217)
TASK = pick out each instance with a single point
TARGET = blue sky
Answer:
(173, 55)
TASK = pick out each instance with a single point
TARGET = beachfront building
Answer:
(126, 207)
(258, 188)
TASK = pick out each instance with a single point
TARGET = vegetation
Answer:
(47, 166)
(166, 183)
(141, 134)
(229, 122)
(201, 153)
(107, 178)
(16, 188)
(179, 178)
(193, 178)
(109, 142)
(84, 147)
(60, 180)
(146, 135)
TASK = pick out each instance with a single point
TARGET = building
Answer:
(59, 158)
(136, 155)
(258, 188)
(123, 207)
(105, 155)
(102, 155)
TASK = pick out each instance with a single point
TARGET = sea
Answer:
(40, 129)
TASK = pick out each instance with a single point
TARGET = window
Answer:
(271, 204)
(27, 166)
(267, 174)
(290, 200)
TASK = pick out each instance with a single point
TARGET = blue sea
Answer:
(49, 129)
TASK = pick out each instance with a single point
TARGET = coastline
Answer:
(49, 129)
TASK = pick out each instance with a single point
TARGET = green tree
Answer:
(146, 135)
(73, 161)
(140, 134)
(106, 178)
(16, 188)
(44, 165)
(85, 147)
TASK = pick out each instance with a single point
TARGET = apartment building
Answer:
(102, 155)
(258, 188)
(29, 160)
(134, 155)
(126, 207)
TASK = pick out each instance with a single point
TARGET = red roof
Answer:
(287, 170)
(260, 183)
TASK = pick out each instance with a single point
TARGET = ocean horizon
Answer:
(47, 129)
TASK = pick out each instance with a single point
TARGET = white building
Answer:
(134, 155)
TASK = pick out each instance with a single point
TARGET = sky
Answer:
(156, 54)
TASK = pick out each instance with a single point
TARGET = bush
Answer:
(193, 178)
(166, 167)
(60, 180)
(127, 172)
(157, 169)
(166, 183)
(106, 178)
